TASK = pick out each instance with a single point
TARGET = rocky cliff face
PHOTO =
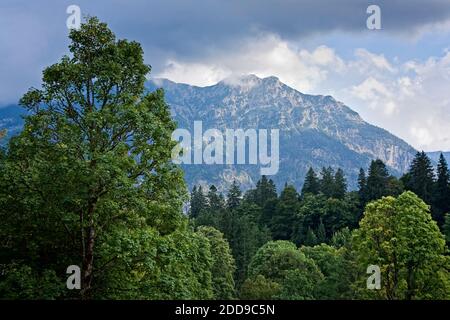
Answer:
(314, 130)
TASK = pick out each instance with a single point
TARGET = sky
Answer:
(396, 77)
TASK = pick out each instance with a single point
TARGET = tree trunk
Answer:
(88, 259)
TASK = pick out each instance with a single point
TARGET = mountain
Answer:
(315, 130)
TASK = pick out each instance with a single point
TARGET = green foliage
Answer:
(421, 177)
(285, 215)
(311, 238)
(340, 185)
(175, 266)
(259, 288)
(341, 238)
(281, 262)
(446, 227)
(377, 181)
(234, 196)
(399, 235)
(89, 181)
(311, 184)
(336, 269)
(223, 266)
(327, 185)
(198, 202)
(23, 283)
(441, 199)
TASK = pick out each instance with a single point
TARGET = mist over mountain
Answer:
(315, 130)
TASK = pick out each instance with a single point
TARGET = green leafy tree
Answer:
(281, 262)
(336, 269)
(446, 228)
(341, 238)
(399, 235)
(223, 266)
(259, 288)
(93, 160)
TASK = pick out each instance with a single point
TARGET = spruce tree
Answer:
(422, 177)
(198, 202)
(340, 185)
(321, 233)
(215, 200)
(377, 180)
(311, 238)
(362, 186)
(283, 221)
(327, 182)
(441, 203)
(311, 184)
(234, 196)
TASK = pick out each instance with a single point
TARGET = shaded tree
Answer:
(311, 184)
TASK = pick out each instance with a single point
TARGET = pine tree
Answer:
(441, 203)
(362, 186)
(311, 239)
(265, 191)
(311, 184)
(321, 233)
(198, 202)
(340, 185)
(215, 200)
(283, 221)
(377, 180)
(422, 177)
(327, 182)
(234, 196)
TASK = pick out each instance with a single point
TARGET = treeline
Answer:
(321, 220)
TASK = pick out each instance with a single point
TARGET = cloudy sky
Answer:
(396, 77)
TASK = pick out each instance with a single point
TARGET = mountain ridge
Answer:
(315, 130)
(253, 102)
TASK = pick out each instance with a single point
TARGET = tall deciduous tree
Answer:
(94, 157)
(399, 236)
(223, 267)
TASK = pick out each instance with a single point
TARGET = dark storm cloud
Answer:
(33, 33)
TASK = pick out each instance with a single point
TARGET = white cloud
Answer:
(410, 98)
